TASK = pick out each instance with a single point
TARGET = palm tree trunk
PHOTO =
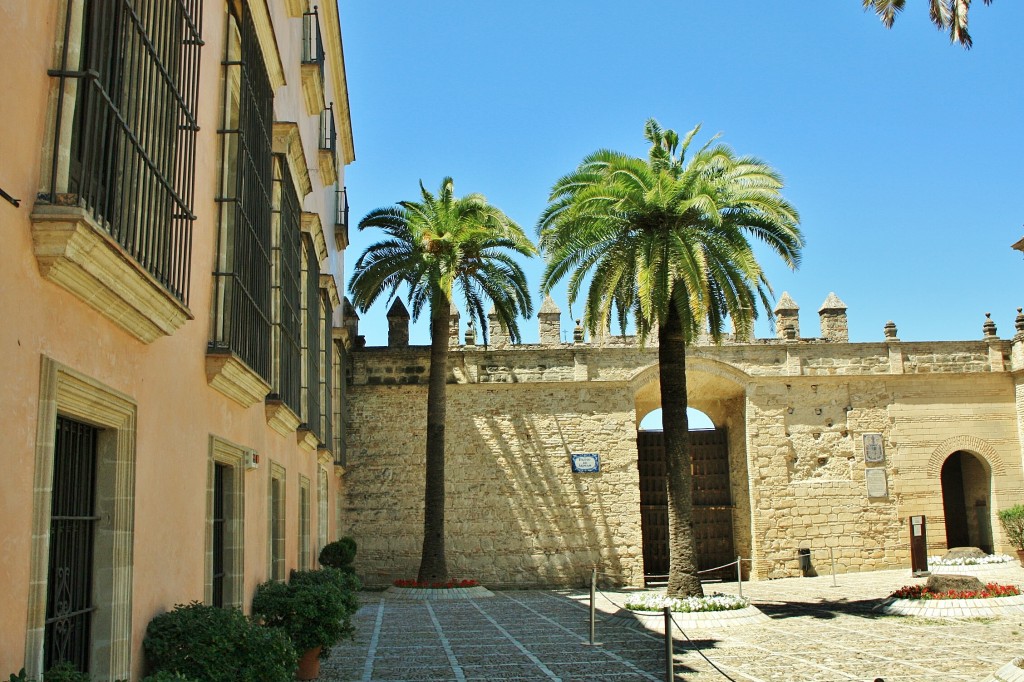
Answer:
(433, 567)
(683, 580)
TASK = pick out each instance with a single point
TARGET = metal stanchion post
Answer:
(593, 603)
(669, 666)
(832, 559)
(739, 574)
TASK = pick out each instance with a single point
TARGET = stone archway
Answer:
(722, 517)
(966, 500)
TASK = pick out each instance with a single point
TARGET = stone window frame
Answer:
(231, 455)
(276, 523)
(64, 391)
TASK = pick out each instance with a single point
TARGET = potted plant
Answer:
(1012, 520)
(315, 609)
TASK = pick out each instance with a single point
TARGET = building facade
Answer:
(824, 450)
(173, 196)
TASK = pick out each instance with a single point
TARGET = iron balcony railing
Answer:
(125, 150)
(312, 43)
(341, 217)
(328, 132)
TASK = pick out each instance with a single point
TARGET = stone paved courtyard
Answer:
(818, 632)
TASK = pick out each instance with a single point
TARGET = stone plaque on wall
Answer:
(876, 483)
(874, 450)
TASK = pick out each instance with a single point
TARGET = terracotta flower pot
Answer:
(309, 665)
(1020, 556)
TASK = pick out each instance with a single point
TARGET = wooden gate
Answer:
(712, 502)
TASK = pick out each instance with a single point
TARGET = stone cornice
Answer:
(312, 226)
(335, 56)
(288, 141)
(313, 88)
(306, 439)
(231, 376)
(73, 252)
(327, 283)
(327, 161)
(267, 38)
(280, 417)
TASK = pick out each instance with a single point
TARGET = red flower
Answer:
(922, 592)
(403, 582)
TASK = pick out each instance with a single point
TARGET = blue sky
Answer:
(902, 153)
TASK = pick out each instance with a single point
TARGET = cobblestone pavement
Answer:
(817, 633)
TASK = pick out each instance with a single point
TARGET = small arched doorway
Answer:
(965, 501)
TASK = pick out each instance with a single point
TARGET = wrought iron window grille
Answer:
(328, 132)
(131, 126)
(242, 293)
(312, 43)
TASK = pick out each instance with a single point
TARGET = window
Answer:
(88, 412)
(120, 174)
(132, 81)
(288, 289)
(276, 527)
(322, 510)
(304, 548)
(312, 69)
(242, 291)
(225, 530)
(312, 330)
(327, 354)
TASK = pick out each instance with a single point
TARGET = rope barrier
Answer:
(695, 648)
(718, 568)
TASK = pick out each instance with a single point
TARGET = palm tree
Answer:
(435, 246)
(947, 15)
(664, 241)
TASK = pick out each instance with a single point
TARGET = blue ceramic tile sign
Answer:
(586, 462)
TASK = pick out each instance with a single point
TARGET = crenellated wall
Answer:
(799, 414)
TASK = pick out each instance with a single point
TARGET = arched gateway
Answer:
(828, 445)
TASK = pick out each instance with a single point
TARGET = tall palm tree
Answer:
(664, 241)
(947, 15)
(435, 246)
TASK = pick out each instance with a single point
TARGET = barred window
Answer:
(311, 332)
(327, 352)
(125, 127)
(288, 284)
(242, 303)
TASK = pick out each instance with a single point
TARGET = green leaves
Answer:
(669, 231)
(443, 244)
(947, 15)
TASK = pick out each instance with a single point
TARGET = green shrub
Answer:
(210, 643)
(1012, 520)
(339, 554)
(65, 672)
(165, 676)
(315, 608)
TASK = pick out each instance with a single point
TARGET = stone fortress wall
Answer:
(831, 445)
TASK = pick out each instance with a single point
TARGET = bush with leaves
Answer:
(167, 676)
(339, 554)
(1012, 520)
(315, 608)
(211, 643)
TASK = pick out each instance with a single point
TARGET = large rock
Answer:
(960, 583)
(964, 553)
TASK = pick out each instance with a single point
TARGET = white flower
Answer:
(715, 602)
(990, 559)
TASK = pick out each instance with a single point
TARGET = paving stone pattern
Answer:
(817, 633)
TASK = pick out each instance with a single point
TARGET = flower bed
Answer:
(451, 584)
(971, 561)
(714, 602)
(922, 592)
